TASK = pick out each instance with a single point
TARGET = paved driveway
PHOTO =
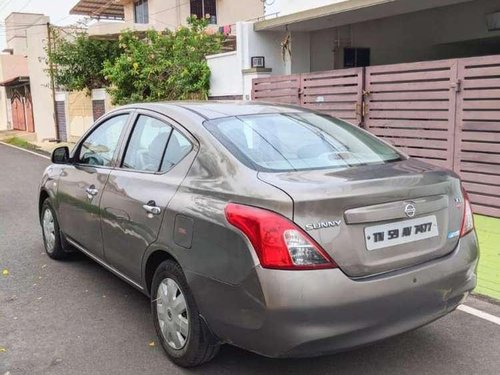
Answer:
(74, 317)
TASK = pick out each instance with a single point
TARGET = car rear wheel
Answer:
(183, 334)
(51, 233)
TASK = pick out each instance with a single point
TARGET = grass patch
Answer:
(488, 233)
(20, 142)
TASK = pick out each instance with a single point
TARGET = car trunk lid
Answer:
(359, 215)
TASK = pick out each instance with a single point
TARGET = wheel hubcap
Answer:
(172, 314)
(49, 231)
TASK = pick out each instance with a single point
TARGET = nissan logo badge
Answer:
(410, 210)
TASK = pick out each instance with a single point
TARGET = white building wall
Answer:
(228, 76)
(225, 76)
(15, 29)
(300, 59)
(43, 102)
(284, 7)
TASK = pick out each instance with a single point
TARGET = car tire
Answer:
(51, 233)
(188, 347)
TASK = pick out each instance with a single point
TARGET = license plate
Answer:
(385, 235)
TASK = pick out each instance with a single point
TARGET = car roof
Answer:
(217, 109)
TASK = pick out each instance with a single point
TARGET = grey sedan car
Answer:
(282, 231)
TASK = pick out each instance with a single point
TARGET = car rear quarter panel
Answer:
(217, 250)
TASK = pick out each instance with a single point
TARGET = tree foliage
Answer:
(150, 66)
(78, 60)
(162, 65)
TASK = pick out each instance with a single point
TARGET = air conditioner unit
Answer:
(493, 21)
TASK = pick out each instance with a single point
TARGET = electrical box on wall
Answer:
(258, 62)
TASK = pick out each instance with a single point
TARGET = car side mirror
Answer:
(60, 155)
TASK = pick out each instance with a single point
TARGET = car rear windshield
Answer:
(298, 141)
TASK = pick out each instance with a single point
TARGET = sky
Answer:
(57, 10)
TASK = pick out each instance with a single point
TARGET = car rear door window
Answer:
(178, 147)
(99, 147)
(147, 144)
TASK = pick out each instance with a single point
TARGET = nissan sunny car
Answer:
(282, 231)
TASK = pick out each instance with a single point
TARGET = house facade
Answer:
(318, 35)
(26, 96)
(140, 15)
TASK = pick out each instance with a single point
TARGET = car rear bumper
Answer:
(309, 313)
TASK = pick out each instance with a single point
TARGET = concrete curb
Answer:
(41, 153)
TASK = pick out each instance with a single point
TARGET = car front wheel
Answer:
(183, 335)
(51, 233)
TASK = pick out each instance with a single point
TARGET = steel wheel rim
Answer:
(49, 230)
(172, 314)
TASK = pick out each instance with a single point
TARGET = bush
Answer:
(162, 65)
(78, 60)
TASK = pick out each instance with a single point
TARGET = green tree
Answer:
(78, 60)
(163, 65)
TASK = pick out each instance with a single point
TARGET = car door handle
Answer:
(91, 191)
(152, 208)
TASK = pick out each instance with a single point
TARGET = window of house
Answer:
(356, 57)
(204, 8)
(141, 13)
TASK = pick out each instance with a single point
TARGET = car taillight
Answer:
(468, 219)
(279, 243)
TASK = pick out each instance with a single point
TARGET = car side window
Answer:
(147, 144)
(100, 146)
(178, 147)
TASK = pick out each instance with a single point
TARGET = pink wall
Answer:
(13, 66)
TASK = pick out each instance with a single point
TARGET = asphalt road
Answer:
(74, 317)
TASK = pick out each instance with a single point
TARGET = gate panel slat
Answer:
(483, 146)
(482, 189)
(405, 123)
(435, 115)
(409, 95)
(481, 115)
(331, 90)
(481, 83)
(481, 94)
(338, 98)
(481, 126)
(479, 157)
(485, 210)
(409, 86)
(486, 200)
(481, 136)
(330, 106)
(274, 93)
(427, 154)
(409, 133)
(341, 81)
(415, 76)
(410, 105)
(415, 142)
(479, 167)
(483, 71)
(484, 178)
(481, 104)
